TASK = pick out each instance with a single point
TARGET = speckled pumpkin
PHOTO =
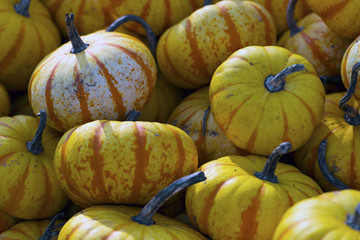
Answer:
(189, 52)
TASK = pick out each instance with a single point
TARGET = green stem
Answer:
(49, 232)
(293, 27)
(268, 172)
(149, 33)
(149, 210)
(353, 220)
(23, 7)
(133, 115)
(277, 83)
(206, 113)
(74, 36)
(207, 2)
(35, 146)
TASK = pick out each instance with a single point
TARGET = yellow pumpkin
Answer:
(6, 221)
(262, 96)
(189, 52)
(28, 34)
(4, 102)
(28, 185)
(332, 215)
(243, 199)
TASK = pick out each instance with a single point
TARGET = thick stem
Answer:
(276, 83)
(23, 7)
(207, 2)
(268, 172)
(35, 146)
(353, 220)
(293, 27)
(74, 36)
(149, 33)
(149, 210)
(133, 115)
(49, 231)
(324, 168)
(206, 113)
(351, 115)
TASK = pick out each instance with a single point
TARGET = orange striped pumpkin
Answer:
(258, 103)
(210, 141)
(5, 104)
(160, 14)
(28, 185)
(6, 221)
(341, 16)
(113, 75)
(238, 202)
(103, 162)
(189, 52)
(27, 36)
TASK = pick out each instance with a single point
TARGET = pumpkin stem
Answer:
(324, 168)
(35, 146)
(133, 115)
(268, 172)
(207, 2)
(74, 36)
(206, 113)
(49, 231)
(276, 83)
(23, 7)
(353, 220)
(351, 115)
(149, 32)
(149, 210)
(331, 79)
(293, 27)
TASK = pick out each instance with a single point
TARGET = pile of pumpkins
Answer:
(181, 119)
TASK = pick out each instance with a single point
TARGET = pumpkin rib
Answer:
(268, 30)
(81, 95)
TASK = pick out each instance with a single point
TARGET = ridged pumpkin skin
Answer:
(28, 185)
(114, 222)
(234, 204)
(189, 52)
(188, 116)
(4, 102)
(321, 47)
(115, 74)
(6, 221)
(258, 120)
(343, 148)
(24, 42)
(341, 16)
(122, 162)
(159, 14)
(322, 217)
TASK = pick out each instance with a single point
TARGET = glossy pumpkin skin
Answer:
(159, 14)
(234, 204)
(342, 152)
(321, 217)
(321, 47)
(258, 120)
(115, 74)
(189, 52)
(122, 162)
(6, 221)
(188, 116)
(114, 222)
(4, 101)
(341, 16)
(28, 183)
(24, 42)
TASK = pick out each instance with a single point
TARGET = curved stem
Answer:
(276, 83)
(49, 231)
(268, 172)
(206, 113)
(149, 33)
(207, 2)
(331, 79)
(293, 27)
(325, 170)
(351, 115)
(35, 146)
(23, 7)
(133, 115)
(77, 43)
(353, 220)
(149, 210)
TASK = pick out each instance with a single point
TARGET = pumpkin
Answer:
(189, 52)
(4, 101)
(239, 201)
(262, 96)
(28, 185)
(339, 127)
(341, 16)
(103, 162)
(332, 215)
(6, 221)
(129, 222)
(28, 34)
(193, 115)
(312, 39)
(103, 75)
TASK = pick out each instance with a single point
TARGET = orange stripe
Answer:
(335, 9)
(81, 95)
(285, 137)
(314, 120)
(167, 15)
(78, 17)
(268, 30)
(47, 199)
(182, 158)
